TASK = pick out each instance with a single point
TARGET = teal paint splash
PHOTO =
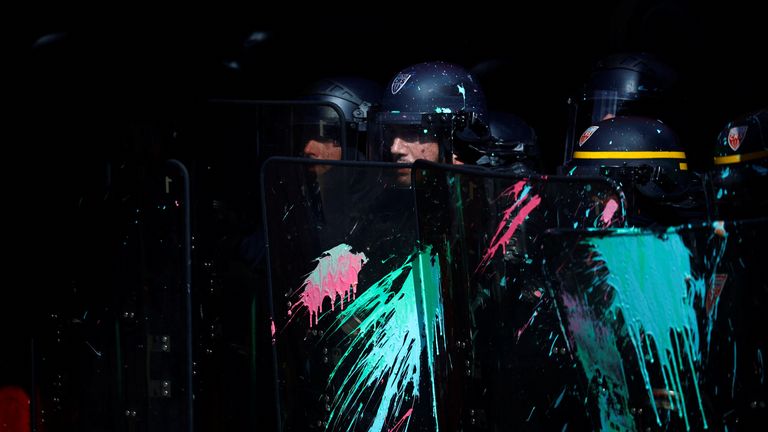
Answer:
(531, 414)
(553, 345)
(760, 360)
(655, 292)
(559, 398)
(733, 383)
(460, 88)
(725, 172)
(396, 324)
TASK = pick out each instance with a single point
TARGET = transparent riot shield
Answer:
(662, 324)
(734, 378)
(115, 353)
(488, 230)
(226, 143)
(265, 128)
(357, 311)
(153, 326)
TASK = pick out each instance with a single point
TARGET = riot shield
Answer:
(734, 378)
(116, 350)
(488, 228)
(226, 143)
(662, 324)
(154, 326)
(357, 317)
(266, 128)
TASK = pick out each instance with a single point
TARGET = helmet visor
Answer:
(415, 129)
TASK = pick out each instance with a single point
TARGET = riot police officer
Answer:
(645, 157)
(433, 111)
(354, 97)
(629, 84)
(738, 182)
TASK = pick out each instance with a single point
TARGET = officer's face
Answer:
(407, 149)
(327, 150)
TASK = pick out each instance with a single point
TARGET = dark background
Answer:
(91, 87)
(127, 64)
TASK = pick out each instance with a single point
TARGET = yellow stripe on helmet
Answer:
(725, 160)
(628, 155)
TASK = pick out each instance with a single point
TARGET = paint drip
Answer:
(335, 275)
(399, 329)
(655, 290)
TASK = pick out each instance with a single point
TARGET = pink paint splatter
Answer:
(400, 423)
(335, 275)
(530, 320)
(272, 324)
(501, 239)
(608, 211)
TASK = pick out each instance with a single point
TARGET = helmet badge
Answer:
(587, 133)
(399, 82)
(735, 135)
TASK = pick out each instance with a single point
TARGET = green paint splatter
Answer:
(655, 291)
(460, 88)
(396, 323)
(733, 383)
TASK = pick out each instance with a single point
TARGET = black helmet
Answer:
(740, 176)
(513, 141)
(437, 102)
(636, 151)
(628, 84)
(743, 142)
(354, 98)
(353, 95)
